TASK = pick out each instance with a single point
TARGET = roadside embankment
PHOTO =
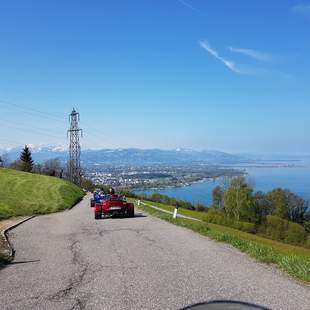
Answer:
(292, 259)
(25, 194)
(6, 249)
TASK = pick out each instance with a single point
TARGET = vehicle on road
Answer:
(92, 202)
(98, 196)
(114, 205)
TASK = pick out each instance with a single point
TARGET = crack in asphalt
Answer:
(127, 267)
(150, 241)
(80, 303)
(137, 231)
(76, 281)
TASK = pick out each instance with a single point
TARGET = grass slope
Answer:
(292, 259)
(24, 193)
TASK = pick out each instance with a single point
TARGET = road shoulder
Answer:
(6, 249)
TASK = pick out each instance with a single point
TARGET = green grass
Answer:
(24, 193)
(191, 213)
(291, 259)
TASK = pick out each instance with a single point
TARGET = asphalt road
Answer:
(70, 261)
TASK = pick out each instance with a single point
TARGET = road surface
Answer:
(70, 261)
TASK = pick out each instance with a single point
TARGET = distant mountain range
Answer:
(131, 156)
(151, 156)
(158, 156)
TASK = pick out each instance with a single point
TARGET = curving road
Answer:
(70, 261)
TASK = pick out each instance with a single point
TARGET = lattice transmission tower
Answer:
(74, 164)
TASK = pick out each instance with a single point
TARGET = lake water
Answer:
(296, 179)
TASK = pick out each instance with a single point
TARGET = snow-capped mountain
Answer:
(39, 152)
(129, 155)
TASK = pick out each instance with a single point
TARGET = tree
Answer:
(238, 200)
(262, 206)
(26, 159)
(201, 207)
(279, 200)
(88, 185)
(295, 234)
(37, 168)
(4, 160)
(297, 208)
(17, 165)
(225, 182)
(276, 227)
(307, 226)
(52, 167)
(217, 197)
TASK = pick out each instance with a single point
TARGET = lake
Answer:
(296, 179)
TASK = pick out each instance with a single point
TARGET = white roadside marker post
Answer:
(139, 202)
(175, 212)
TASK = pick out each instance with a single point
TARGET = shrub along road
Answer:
(70, 261)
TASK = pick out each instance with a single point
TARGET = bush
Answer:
(201, 208)
(295, 234)
(127, 193)
(245, 226)
(276, 227)
(307, 226)
(156, 197)
(308, 242)
(215, 217)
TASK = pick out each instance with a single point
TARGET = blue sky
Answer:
(204, 74)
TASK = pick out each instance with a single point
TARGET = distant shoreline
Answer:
(263, 179)
(241, 172)
(205, 179)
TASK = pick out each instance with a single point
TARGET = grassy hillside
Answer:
(291, 259)
(24, 193)
(282, 247)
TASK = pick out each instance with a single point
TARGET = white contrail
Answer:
(241, 69)
(185, 3)
(229, 64)
(252, 53)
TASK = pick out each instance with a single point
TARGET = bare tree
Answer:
(224, 182)
(52, 167)
(5, 159)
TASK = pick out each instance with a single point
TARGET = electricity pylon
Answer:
(74, 165)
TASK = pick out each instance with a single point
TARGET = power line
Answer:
(33, 112)
(13, 142)
(49, 116)
(38, 132)
(26, 126)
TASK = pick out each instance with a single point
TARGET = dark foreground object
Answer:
(225, 305)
